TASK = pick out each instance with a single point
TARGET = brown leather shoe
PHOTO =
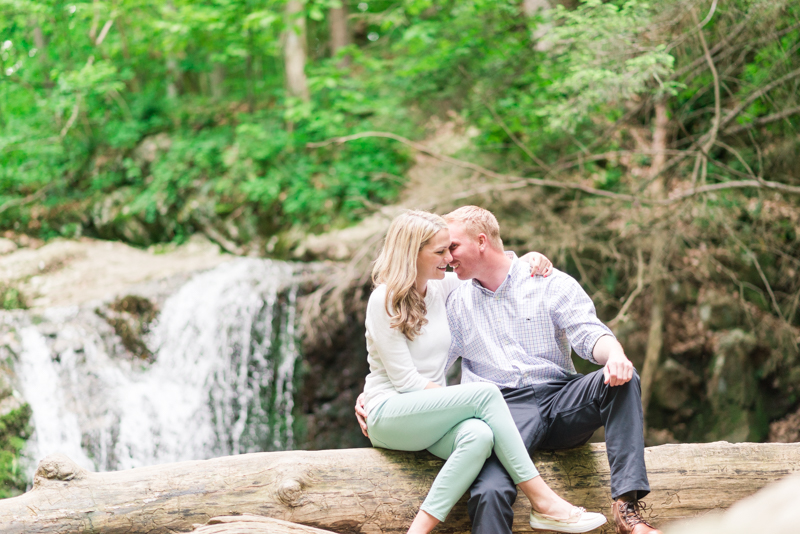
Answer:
(629, 520)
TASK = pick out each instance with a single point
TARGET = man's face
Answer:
(465, 250)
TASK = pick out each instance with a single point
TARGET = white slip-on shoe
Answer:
(579, 520)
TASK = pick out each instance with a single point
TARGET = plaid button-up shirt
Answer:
(521, 334)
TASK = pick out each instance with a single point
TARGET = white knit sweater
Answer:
(398, 365)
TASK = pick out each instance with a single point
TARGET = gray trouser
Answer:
(561, 414)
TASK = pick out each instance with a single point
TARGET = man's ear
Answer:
(483, 242)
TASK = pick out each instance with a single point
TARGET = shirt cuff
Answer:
(592, 340)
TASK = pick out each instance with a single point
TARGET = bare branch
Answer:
(732, 115)
(521, 182)
(635, 293)
(73, 116)
(760, 271)
(26, 200)
(104, 32)
(756, 95)
(77, 107)
(514, 138)
(122, 104)
(763, 120)
(741, 159)
(717, 101)
(709, 16)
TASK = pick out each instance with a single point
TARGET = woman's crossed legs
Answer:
(461, 424)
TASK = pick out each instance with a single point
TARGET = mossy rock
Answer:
(130, 317)
(736, 414)
(15, 416)
(12, 298)
(720, 311)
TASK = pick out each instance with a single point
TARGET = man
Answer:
(517, 332)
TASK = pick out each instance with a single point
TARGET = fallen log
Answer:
(366, 491)
(254, 524)
(773, 509)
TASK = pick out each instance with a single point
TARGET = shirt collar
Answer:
(507, 284)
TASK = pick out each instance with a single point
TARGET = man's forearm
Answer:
(617, 368)
(605, 347)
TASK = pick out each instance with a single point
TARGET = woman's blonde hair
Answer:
(396, 267)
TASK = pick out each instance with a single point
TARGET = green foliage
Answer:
(11, 298)
(606, 53)
(14, 430)
(77, 117)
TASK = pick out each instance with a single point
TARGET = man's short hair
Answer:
(478, 221)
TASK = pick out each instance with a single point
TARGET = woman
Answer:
(407, 406)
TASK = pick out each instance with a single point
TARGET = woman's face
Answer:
(433, 258)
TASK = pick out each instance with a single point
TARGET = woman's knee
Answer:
(486, 392)
(477, 436)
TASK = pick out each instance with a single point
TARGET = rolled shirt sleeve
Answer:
(573, 311)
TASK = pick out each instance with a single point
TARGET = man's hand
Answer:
(361, 414)
(617, 368)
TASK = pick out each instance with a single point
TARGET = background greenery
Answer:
(649, 148)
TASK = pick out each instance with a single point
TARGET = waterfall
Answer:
(220, 381)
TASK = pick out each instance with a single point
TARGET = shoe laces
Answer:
(630, 512)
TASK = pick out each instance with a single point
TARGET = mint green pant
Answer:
(461, 424)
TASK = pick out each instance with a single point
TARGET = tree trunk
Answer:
(175, 83)
(133, 82)
(217, 81)
(531, 8)
(340, 35)
(41, 45)
(294, 50)
(249, 75)
(38, 38)
(174, 74)
(658, 256)
(366, 490)
(655, 335)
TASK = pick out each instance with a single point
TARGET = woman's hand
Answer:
(361, 415)
(539, 263)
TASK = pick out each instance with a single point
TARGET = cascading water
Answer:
(220, 383)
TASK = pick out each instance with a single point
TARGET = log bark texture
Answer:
(254, 524)
(367, 490)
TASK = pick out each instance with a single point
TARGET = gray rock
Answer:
(720, 311)
(732, 390)
(672, 388)
(7, 246)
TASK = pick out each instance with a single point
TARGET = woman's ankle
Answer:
(544, 500)
(558, 508)
(423, 523)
